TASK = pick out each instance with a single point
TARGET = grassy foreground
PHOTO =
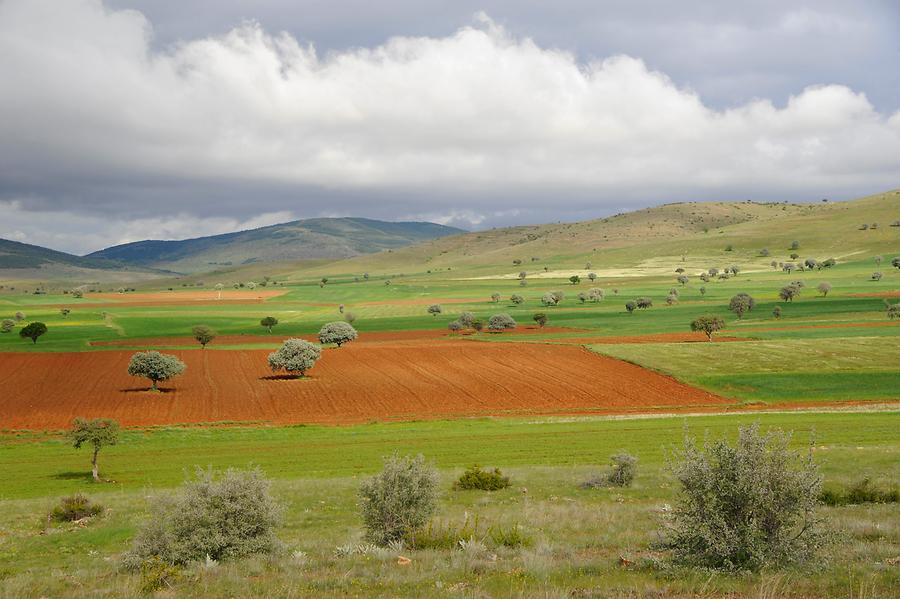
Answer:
(581, 543)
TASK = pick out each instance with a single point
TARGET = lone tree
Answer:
(741, 303)
(32, 331)
(707, 324)
(575, 279)
(97, 433)
(630, 306)
(495, 297)
(501, 322)
(337, 332)
(824, 288)
(155, 366)
(592, 276)
(541, 319)
(435, 309)
(295, 356)
(64, 311)
(268, 322)
(776, 312)
(203, 334)
(516, 299)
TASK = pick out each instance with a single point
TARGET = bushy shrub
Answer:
(624, 468)
(75, 507)
(435, 309)
(454, 326)
(225, 517)
(295, 356)
(745, 506)
(337, 332)
(466, 319)
(643, 303)
(398, 500)
(516, 299)
(7, 325)
(861, 492)
(501, 322)
(449, 536)
(549, 299)
(485, 480)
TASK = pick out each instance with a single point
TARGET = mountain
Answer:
(331, 238)
(650, 240)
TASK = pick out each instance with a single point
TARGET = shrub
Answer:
(702, 290)
(484, 480)
(454, 326)
(75, 507)
(516, 299)
(708, 324)
(155, 366)
(349, 317)
(7, 325)
(624, 467)
(477, 325)
(501, 322)
(466, 319)
(776, 312)
(540, 318)
(747, 506)
(862, 492)
(295, 356)
(435, 309)
(398, 500)
(19, 316)
(337, 332)
(32, 331)
(157, 574)
(203, 334)
(224, 517)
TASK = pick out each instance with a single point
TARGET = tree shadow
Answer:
(284, 377)
(148, 390)
(81, 475)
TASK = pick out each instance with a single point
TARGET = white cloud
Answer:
(478, 114)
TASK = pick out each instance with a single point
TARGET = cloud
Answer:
(94, 117)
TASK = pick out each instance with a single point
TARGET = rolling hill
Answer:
(331, 238)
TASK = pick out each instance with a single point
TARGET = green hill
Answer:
(331, 238)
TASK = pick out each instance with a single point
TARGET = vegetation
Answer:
(484, 480)
(97, 434)
(501, 322)
(622, 473)
(203, 334)
(338, 333)
(7, 325)
(399, 500)
(295, 356)
(741, 304)
(32, 331)
(540, 318)
(859, 493)
(708, 325)
(435, 309)
(74, 508)
(155, 366)
(268, 322)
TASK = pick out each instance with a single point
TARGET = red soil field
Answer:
(357, 383)
(892, 293)
(206, 297)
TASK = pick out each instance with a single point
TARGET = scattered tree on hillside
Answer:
(702, 290)
(32, 331)
(704, 277)
(495, 297)
(764, 252)
(341, 308)
(516, 299)
(559, 296)
(630, 306)
(540, 318)
(575, 279)
(876, 276)
(671, 299)
(366, 276)
(893, 311)
(735, 269)
(7, 325)
(794, 256)
(588, 266)
(477, 325)
(682, 279)
(337, 332)
(795, 245)
(643, 303)
(549, 299)
(582, 296)
(708, 325)
(454, 326)
(349, 317)
(323, 281)
(387, 283)
(219, 287)
(501, 322)
(77, 293)
(97, 433)
(251, 285)
(729, 248)
(810, 263)
(592, 276)
(19, 316)
(466, 319)
(522, 275)
(823, 288)
(776, 312)
(203, 334)
(713, 271)
(741, 303)
(155, 366)
(435, 309)
(895, 262)
(295, 356)
(268, 322)
(789, 292)
(595, 294)
(773, 264)
(789, 267)
(64, 311)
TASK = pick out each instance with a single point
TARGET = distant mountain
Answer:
(16, 255)
(317, 238)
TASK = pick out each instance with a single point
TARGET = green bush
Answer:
(75, 507)
(398, 500)
(745, 507)
(624, 467)
(231, 516)
(156, 575)
(450, 536)
(484, 480)
(862, 492)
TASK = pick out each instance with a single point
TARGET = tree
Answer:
(522, 275)
(582, 296)
(893, 311)
(268, 322)
(559, 296)
(595, 294)
(824, 288)
(323, 281)
(682, 279)
(672, 298)
(776, 312)
(741, 303)
(876, 276)
(219, 287)
(495, 297)
(549, 299)
(501, 322)
(64, 311)
(295, 356)
(643, 303)
(7, 325)
(203, 334)
(32, 331)
(155, 366)
(592, 276)
(895, 262)
(764, 252)
(349, 317)
(735, 269)
(337, 332)
(540, 318)
(516, 299)
(575, 279)
(795, 245)
(77, 293)
(19, 316)
(97, 433)
(789, 292)
(466, 319)
(435, 309)
(707, 324)
(454, 326)
(810, 263)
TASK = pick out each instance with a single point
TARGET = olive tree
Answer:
(575, 279)
(682, 279)
(155, 366)
(466, 319)
(876, 276)
(32, 331)
(671, 299)
(96, 433)
(549, 299)
(337, 332)
(295, 356)
(19, 316)
(495, 297)
(540, 318)
(516, 299)
(501, 322)
(741, 303)
(630, 306)
(895, 262)
(203, 334)
(268, 322)
(893, 311)
(823, 288)
(592, 276)
(776, 312)
(595, 294)
(643, 303)
(435, 309)
(7, 325)
(582, 296)
(708, 325)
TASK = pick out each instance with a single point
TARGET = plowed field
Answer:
(357, 383)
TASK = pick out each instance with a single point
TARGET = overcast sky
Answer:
(133, 119)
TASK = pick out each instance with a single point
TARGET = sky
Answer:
(132, 119)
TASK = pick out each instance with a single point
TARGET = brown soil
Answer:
(206, 297)
(358, 383)
(892, 293)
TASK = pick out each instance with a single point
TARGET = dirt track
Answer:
(358, 383)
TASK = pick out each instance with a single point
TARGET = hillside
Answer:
(649, 240)
(26, 262)
(332, 238)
